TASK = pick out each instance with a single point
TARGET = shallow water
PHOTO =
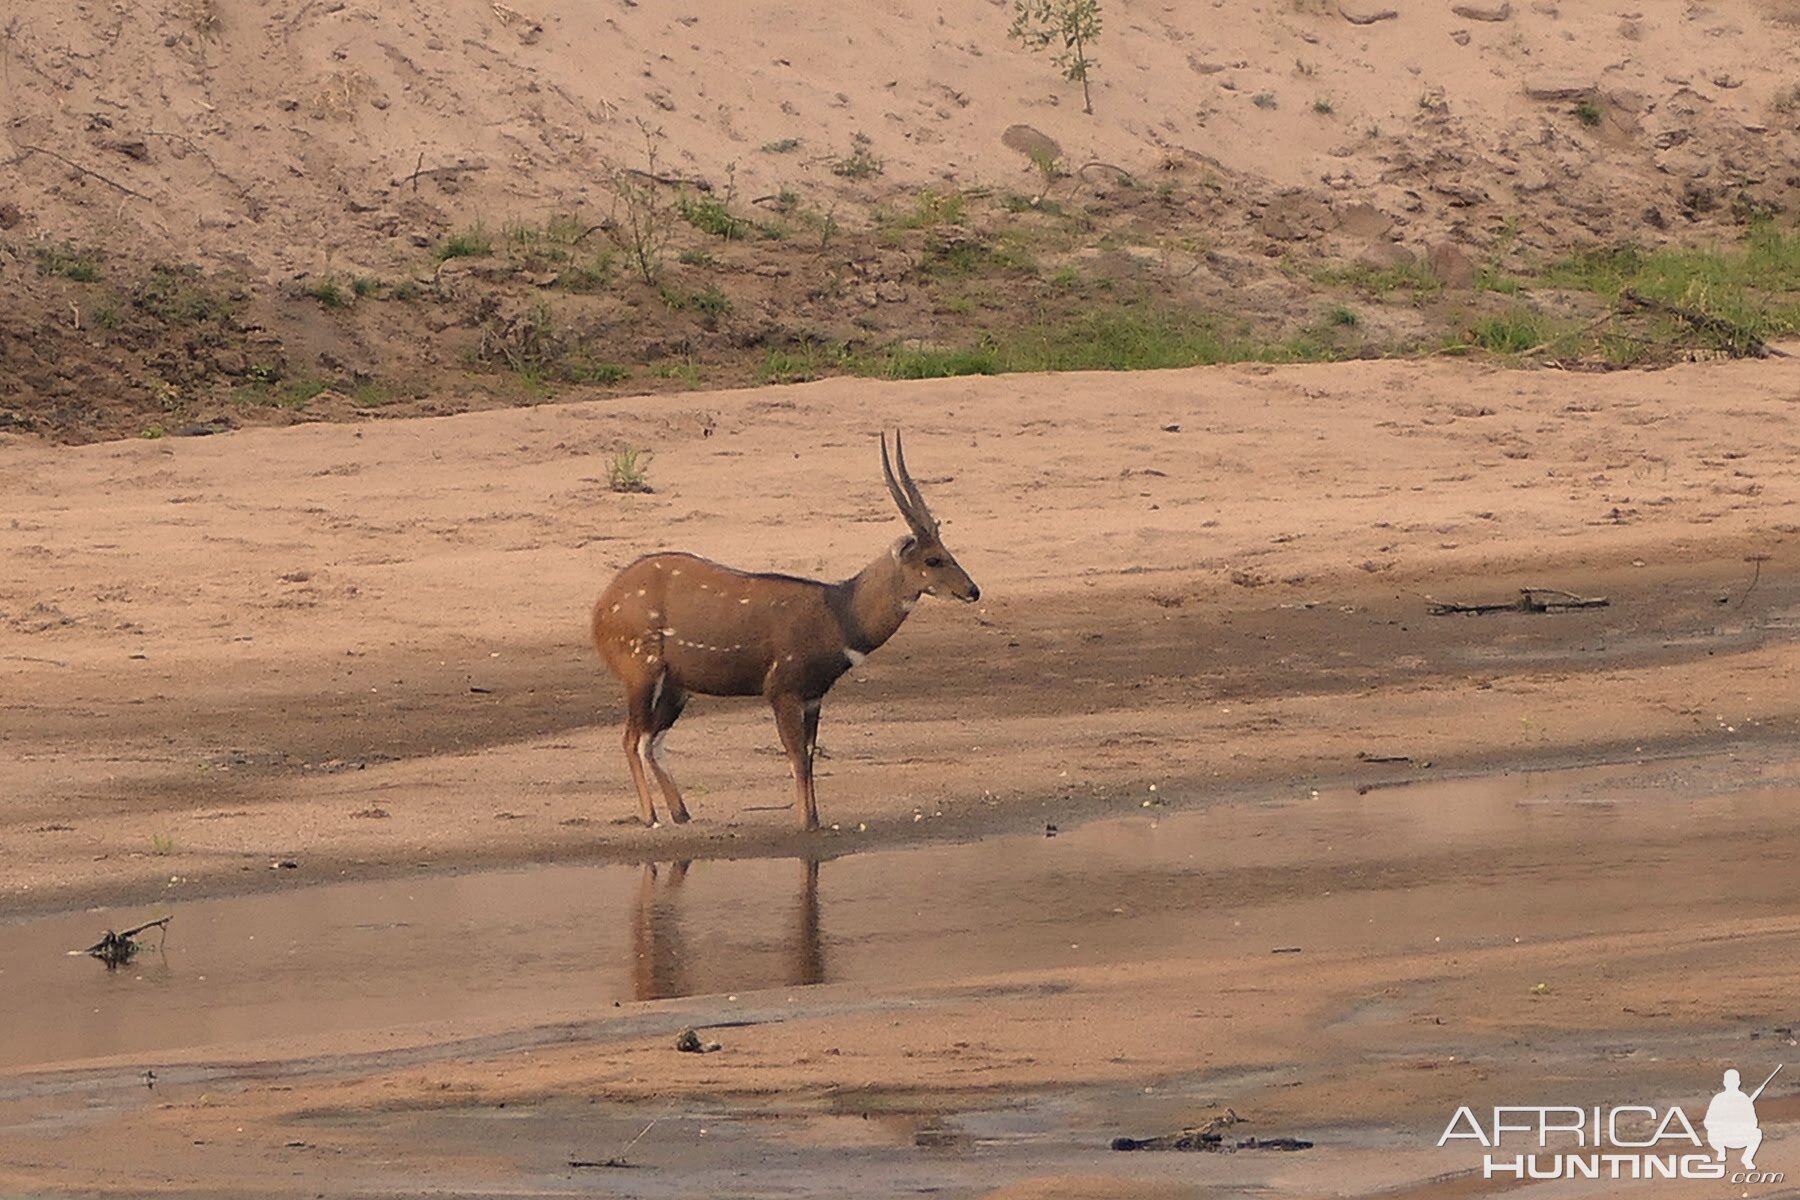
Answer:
(402, 961)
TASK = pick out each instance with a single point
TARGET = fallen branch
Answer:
(1742, 343)
(676, 181)
(71, 163)
(1588, 328)
(117, 948)
(1531, 600)
(1409, 760)
(421, 171)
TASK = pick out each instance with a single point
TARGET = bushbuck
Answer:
(673, 624)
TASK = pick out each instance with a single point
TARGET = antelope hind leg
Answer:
(665, 711)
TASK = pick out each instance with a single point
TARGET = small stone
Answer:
(1484, 12)
(1449, 265)
(1551, 87)
(1360, 12)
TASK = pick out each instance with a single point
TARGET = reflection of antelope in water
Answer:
(671, 624)
(661, 967)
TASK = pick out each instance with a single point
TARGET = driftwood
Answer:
(1742, 343)
(75, 166)
(1207, 1139)
(116, 949)
(676, 181)
(421, 171)
(1531, 600)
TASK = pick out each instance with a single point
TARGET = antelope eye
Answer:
(934, 562)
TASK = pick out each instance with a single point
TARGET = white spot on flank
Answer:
(615, 608)
(855, 656)
(744, 600)
(676, 571)
(640, 591)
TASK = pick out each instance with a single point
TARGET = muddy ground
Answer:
(275, 660)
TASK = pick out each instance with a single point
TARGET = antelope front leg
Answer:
(797, 721)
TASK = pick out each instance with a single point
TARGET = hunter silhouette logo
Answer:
(1731, 1119)
(1624, 1141)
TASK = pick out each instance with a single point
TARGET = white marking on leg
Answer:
(855, 656)
(656, 691)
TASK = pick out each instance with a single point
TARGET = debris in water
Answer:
(1208, 1138)
(117, 948)
(688, 1042)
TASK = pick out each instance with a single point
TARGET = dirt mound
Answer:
(564, 198)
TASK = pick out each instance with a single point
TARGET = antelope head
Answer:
(925, 562)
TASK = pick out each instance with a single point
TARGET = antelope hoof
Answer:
(680, 816)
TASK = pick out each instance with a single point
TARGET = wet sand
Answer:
(326, 688)
(1345, 968)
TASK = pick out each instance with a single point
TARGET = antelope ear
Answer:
(902, 545)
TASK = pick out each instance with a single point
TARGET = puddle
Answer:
(394, 963)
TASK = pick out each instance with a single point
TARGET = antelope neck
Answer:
(871, 605)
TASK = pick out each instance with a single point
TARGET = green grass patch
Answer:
(1380, 281)
(1133, 337)
(68, 261)
(711, 215)
(708, 301)
(1753, 286)
(328, 292)
(581, 369)
(1513, 332)
(861, 162)
(595, 273)
(902, 362)
(182, 295)
(627, 470)
(930, 210)
(469, 243)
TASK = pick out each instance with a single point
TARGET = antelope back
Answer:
(713, 629)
